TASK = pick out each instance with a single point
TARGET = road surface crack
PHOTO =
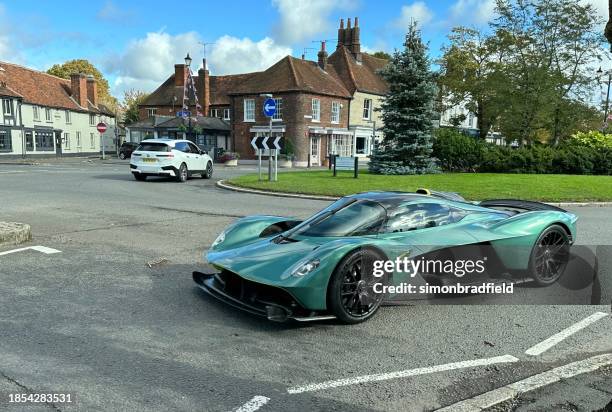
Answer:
(28, 390)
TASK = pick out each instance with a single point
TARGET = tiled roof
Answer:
(291, 74)
(7, 91)
(206, 123)
(42, 89)
(357, 76)
(168, 93)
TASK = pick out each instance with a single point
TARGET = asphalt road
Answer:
(95, 320)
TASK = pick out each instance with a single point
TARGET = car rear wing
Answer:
(518, 205)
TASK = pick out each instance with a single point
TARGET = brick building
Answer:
(326, 107)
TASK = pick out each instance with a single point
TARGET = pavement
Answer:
(101, 304)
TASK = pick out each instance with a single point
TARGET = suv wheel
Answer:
(207, 174)
(183, 174)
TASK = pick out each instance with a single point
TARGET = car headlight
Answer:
(306, 267)
(219, 239)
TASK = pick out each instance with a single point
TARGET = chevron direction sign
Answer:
(265, 142)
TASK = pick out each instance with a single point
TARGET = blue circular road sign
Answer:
(269, 107)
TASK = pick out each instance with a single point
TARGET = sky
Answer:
(136, 43)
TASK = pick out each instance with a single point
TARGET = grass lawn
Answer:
(473, 186)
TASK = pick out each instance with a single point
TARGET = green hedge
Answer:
(584, 153)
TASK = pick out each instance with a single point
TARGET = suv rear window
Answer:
(153, 147)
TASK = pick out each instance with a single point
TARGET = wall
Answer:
(356, 118)
(296, 105)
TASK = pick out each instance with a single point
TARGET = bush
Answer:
(457, 152)
(583, 153)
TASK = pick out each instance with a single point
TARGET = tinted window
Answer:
(182, 146)
(153, 147)
(193, 148)
(358, 218)
(416, 216)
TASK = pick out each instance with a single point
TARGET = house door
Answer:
(315, 151)
(58, 142)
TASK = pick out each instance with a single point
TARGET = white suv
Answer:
(167, 157)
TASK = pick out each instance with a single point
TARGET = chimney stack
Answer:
(340, 34)
(348, 32)
(356, 43)
(322, 55)
(92, 90)
(204, 88)
(180, 75)
(78, 85)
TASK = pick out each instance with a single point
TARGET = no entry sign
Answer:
(101, 127)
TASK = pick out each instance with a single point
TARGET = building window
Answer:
(316, 110)
(92, 140)
(44, 140)
(342, 145)
(5, 141)
(367, 109)
(66, 140)
(226, 114)
(249, 110)
(335, 113)
(67, 113)
(7, 107)
(29, 141)
(278, 115)
(48, 115)
(214, 113)
(78, 140)
(36, 112)
(92, 119)
(151, 112)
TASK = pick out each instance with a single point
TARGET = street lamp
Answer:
(600, 72)
(188, 64)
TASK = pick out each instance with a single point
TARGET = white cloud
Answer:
(146, 62)
(6, 49)
(601, 6)
(476, 12)
(417, 11)
(230, 55)
(305, 20)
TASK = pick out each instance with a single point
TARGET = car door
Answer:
(186, 155)
(198, 158)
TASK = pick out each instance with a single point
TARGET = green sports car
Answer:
(325, 266)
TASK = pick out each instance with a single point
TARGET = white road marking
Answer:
(496, 396)
(402, 374)
(42, 249)
(254, 404)
(558, 337)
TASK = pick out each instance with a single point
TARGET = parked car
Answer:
(321, 268)
(171, 158)
(126, 150)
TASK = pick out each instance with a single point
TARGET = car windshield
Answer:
(345, 217)
(153, 147)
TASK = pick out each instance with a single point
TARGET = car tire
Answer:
(122, 156)
(182, 173)
(207, 174)
(140, 177)
(350, 295)
(549, 256)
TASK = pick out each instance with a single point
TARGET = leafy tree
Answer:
(84, 66)
(407, 112)
(470, 75)
(131, 99)
(382, 55)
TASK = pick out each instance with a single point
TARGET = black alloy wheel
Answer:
(351, 295)
(550, 255)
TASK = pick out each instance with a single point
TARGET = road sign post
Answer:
(269, 109)
(101, 129)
